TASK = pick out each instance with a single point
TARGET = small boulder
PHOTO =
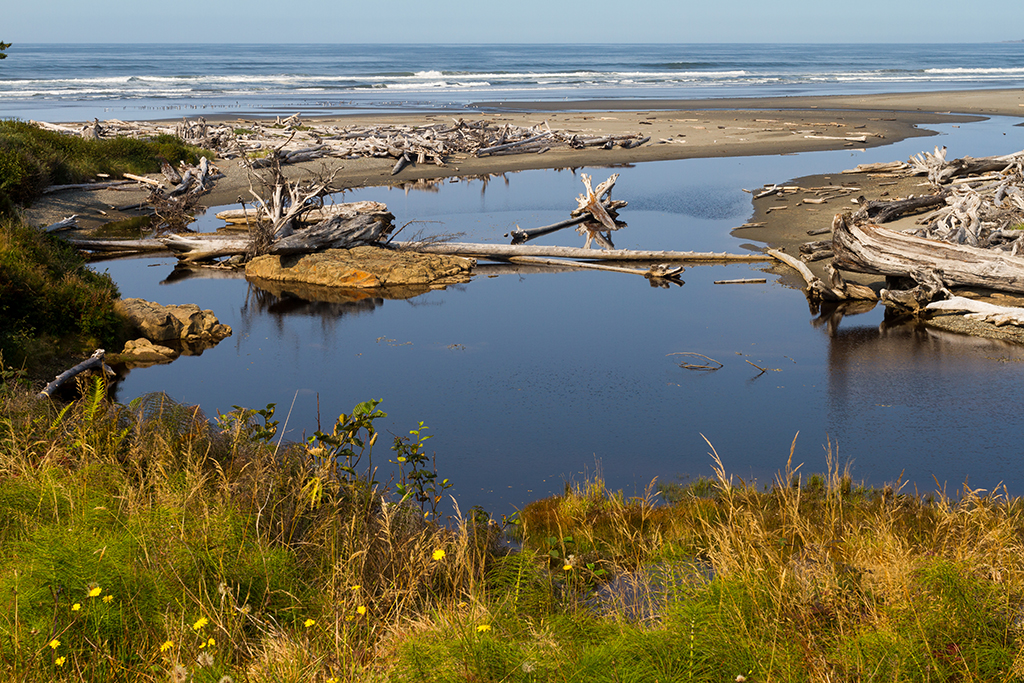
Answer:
(186, 322)
(143, 351)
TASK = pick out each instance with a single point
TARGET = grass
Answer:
(51, 304)
(145, 542)
(52, 307)
(32, 158)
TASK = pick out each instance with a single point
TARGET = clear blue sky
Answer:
(482, 21)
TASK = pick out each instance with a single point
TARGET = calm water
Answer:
(77, 82)
(531, 379)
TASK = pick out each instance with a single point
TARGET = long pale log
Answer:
(979, 310)
(877, 250)
(503, 251)
(88, 186)
(93, 362)
(347, 210)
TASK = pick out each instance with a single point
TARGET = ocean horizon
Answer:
(73, 82)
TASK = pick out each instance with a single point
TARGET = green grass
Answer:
(154, 544)
(52, 307)
(32, 158)
(50, 302)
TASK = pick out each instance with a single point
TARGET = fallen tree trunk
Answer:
(979, 310)
(883, 212)
(93, 362)
(336, 232)
(502, 252)
(877, 250)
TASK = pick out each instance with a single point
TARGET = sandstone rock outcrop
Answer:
(184, 323)
(363, 268)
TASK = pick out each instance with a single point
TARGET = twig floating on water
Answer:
(746, 281)
(693, 366)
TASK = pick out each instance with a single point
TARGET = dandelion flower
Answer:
(75, 607)
(483, 628)
(357, 587)
(200, 622)
(438, 555)
(567, 567)
(332, 679)
(309, 622)
(95, 591)
(211, 642)
(54, 644)
(60, 660)
(361, 610)
(108, 598)
(167, 645)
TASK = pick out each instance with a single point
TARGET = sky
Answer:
(522, 21)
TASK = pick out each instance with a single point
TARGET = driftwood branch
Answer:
(93, 362)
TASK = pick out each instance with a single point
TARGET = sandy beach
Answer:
(678, 129)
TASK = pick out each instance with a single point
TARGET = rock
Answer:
(184, 322)
(143, 351)
(363, 268)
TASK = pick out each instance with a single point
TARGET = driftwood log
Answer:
(501, 252)
(873, 249)
(337, 232)
(93, 362)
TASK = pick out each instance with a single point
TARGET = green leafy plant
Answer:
(418, 479)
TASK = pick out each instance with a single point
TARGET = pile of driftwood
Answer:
(291, 140)
(970, 234)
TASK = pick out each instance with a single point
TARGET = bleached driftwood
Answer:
(873, 249)
(337, 232)
(501, 252)
(93, 362)
(836, 289)
(315, 215)
(596, 204)
(980, 310)
(69, 223)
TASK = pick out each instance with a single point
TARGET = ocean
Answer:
(139, 81)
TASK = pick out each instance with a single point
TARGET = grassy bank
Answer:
(145, 543)
(52, 307)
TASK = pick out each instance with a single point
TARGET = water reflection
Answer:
(529, 376)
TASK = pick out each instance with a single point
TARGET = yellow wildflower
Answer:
(95, 591)
(60, 660)
(200, 622)
(355, 588)
(167, 645)
(54, 644)
(483, 628)
(108, 598)
(309, 622)
(567, 567)
(211, 642)
(332, 679)
(438, 555)
(75, 607)
(349, 618)
(361, 610)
